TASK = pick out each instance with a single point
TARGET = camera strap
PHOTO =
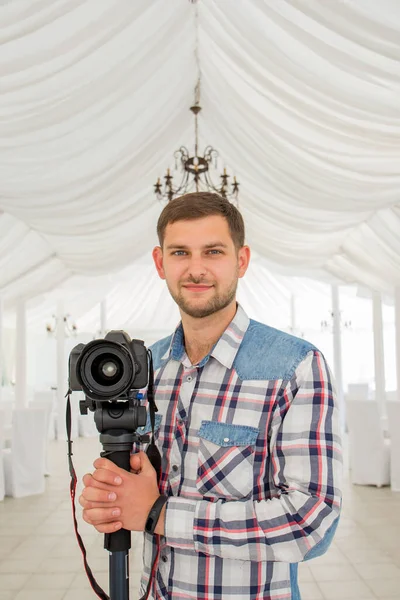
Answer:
(154, 456)
(152, 451)
(72, 488)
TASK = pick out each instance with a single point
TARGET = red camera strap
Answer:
(72, 488)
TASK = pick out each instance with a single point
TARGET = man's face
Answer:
(201, 265)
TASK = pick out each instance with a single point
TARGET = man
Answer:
(247, 427)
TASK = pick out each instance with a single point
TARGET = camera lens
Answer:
(109, 369)
(106, 370)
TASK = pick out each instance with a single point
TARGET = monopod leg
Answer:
(119, 575)
(119, 543)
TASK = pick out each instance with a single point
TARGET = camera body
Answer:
(109, 369)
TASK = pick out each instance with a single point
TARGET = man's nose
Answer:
(197, 267)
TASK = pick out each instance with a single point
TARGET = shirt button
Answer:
(189, 378)
(164, 558)
(175, 467)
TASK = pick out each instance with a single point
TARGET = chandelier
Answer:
(70, 329)
(195, 170)
(327, 325)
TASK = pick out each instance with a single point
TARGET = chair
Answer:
(7, 407)
(392, 396)
(358, 391)
(393, 411)
(7, 394)
(369, 450)
(24, 462)
(46, 399)
(45, 403)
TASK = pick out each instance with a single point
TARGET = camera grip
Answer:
(120, 540)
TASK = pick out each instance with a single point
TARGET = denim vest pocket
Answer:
(225, 460)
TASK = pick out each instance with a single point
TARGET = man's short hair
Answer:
(198, 205)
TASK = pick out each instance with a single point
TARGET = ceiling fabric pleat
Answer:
(300, 97)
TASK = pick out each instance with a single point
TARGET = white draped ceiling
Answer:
(300, 97)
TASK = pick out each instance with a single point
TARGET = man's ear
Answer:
(244, 259)
(158, 261)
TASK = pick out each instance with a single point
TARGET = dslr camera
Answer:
(109, 369)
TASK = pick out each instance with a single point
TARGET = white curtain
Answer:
(300, 97)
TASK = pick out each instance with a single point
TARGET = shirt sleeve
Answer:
(305, 465)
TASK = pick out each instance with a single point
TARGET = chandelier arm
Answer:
(210, 183)
(182, 152)
(210, 151)
(183, 184)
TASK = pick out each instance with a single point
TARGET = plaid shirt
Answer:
(251, 462)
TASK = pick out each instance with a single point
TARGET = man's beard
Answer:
(215, 304)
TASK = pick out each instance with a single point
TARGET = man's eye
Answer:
(214, 252)
(179, 253)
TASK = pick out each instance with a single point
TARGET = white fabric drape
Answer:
(300, 97)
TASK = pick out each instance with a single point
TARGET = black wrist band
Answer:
(154, 514)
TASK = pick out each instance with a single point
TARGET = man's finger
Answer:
(91, 504)
(90, 482)
(87, 479)
(107, 477)
(146, 466)
(135, 463)
(97, 516)
(108, 528)
(85, 503)
(99, 495)
(104, 463)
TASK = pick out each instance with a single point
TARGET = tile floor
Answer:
(40, 559)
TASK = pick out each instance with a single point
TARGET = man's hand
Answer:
(114, 498)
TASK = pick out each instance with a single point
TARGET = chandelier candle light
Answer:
(69, 328)
(196, 171)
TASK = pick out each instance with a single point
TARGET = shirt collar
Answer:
(225, 349)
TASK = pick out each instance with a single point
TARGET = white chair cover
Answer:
(7, 406)
(86, 424)
(2, 485)
(392, 396)
(48, 399)
(7, 394)
(24, 462)
(393, 411)
(358, 391)
(45, 403)
(369, 451)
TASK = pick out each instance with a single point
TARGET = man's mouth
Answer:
(197, 287)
